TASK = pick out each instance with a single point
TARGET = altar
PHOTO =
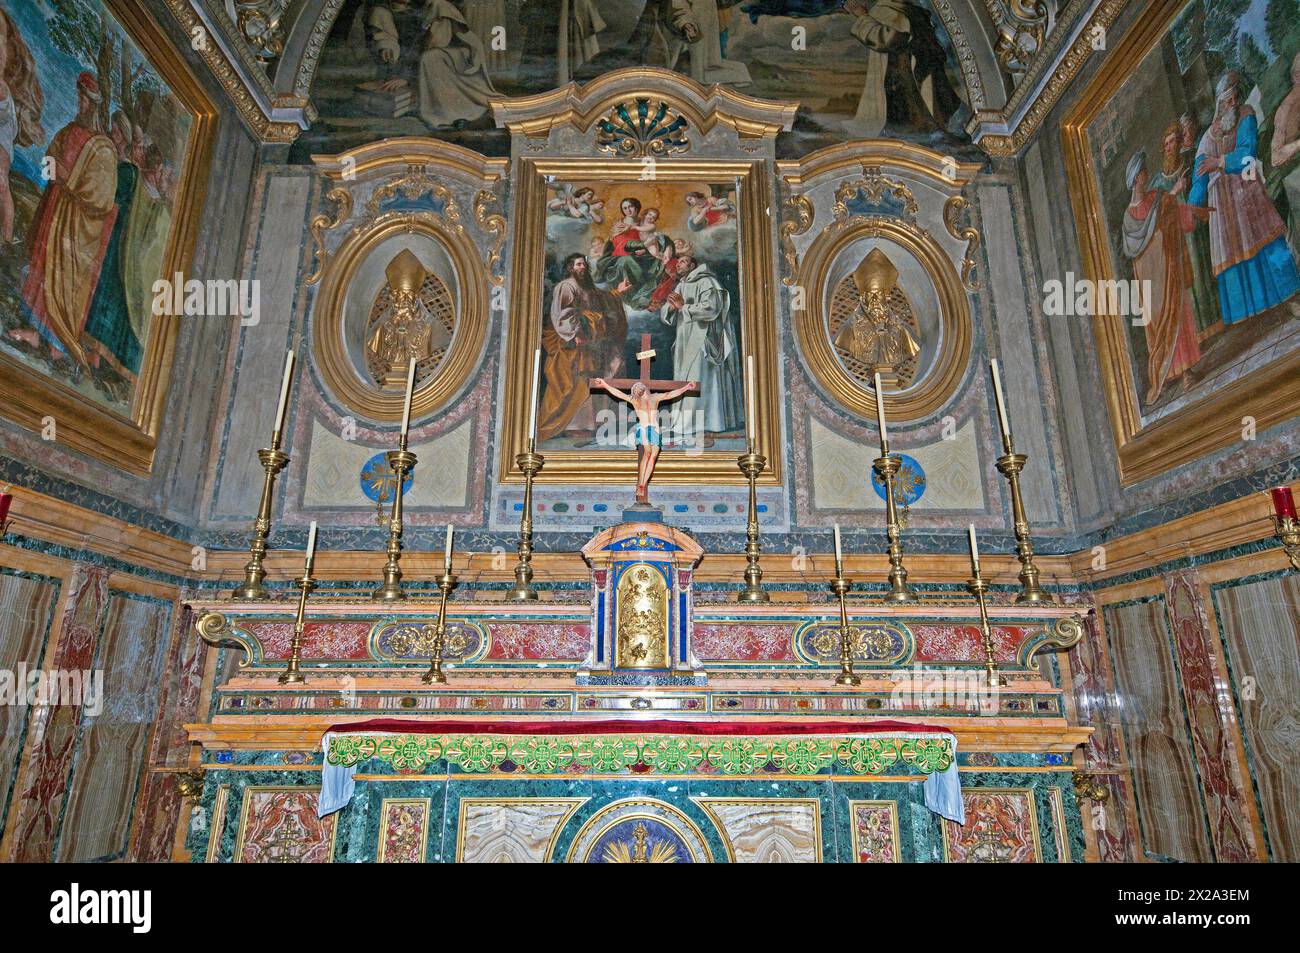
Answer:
(629, 723)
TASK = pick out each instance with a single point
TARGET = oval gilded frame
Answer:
(471, 321)
(937, 385)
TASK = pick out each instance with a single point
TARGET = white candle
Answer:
(284, 395)
(839, 557)
(447, 560)
(532, 410)
(410, 390)
(1002, 405)
(974, 550)
(311, 546)
(749, 400)
(880, 417)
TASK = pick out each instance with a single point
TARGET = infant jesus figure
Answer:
(648, 438)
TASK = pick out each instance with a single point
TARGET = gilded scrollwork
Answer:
(322, 223)
(956, 220)
(493, 223)
(214, 628)
(415, 183)
(797, 215)
(874, 185)
(641, 128)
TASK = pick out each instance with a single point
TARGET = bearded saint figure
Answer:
(879, 332)
(402, 329)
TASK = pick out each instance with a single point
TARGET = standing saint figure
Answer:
(907, 86)
(1154, 225)
(560, 37)
(1253, 265)
(431, 42)
(588, 329)
(71, 228)
(705, 349)
(649, 439)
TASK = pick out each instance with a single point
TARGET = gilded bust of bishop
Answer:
(403, 326)
(881, 331)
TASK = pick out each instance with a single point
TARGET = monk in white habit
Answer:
(72, 224)
(705, 350)
(442, 51)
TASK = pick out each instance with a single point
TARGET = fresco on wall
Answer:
(1198, 158)
(859, 68)
(92, 144)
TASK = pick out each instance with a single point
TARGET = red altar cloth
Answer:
(629, 726)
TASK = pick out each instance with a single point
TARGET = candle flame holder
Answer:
(273, 460)
(390, 590)
(531, 462)
(979, 587)
(292, 674)
(1031, 592)
(751, 465)
(848, 636)
(446, 583)
(887, 467)
(1287, 529)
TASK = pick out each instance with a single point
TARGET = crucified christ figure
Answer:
(649, 441)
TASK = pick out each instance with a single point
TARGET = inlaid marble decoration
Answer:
(743, 642)
(403, 830)
(27, 606)
(1260, 622)
(639, 830)
(1001, 828)
(1212, 727)
(278, 825)
(512, 830)
(875, 832)
(1171, 815)
(112, 745)
(772, 831)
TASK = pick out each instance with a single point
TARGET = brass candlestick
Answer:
(531, 462)
(848, 643)
(1287, 529)
(273, 461)
(978, 588)
(1009, 465)
(446, 582)
(390, 590)
(292, 674)
(887, 467)
(751, 464)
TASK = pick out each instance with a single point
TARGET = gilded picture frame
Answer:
(1266, 396)
(750, 185)
(30, 398)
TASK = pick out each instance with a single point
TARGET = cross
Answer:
(644, 356)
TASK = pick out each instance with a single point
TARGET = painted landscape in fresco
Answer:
(92, 141)
(631, 258)
(859, 68)
(1198, 157)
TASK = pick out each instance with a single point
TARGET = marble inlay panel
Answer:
(776, 831)
(403, 830)
(511, 830)
(1001, 828)
(278, 825)
(1260, 623)
(1171, 816)
(875, 832)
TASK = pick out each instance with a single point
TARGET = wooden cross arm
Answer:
(625, 383)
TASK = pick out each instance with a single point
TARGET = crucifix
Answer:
(645, 395)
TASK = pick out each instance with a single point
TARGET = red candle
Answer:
(1283, 502)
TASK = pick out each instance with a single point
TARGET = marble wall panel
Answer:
(768, 831)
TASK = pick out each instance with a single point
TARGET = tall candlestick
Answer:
(839, 558)
(880, 417)
(284, 400)
(1003, 422)
(749, 400)
(974, 550)
(532, 409)
(447, 560)
(311, 546)
(406, 407)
